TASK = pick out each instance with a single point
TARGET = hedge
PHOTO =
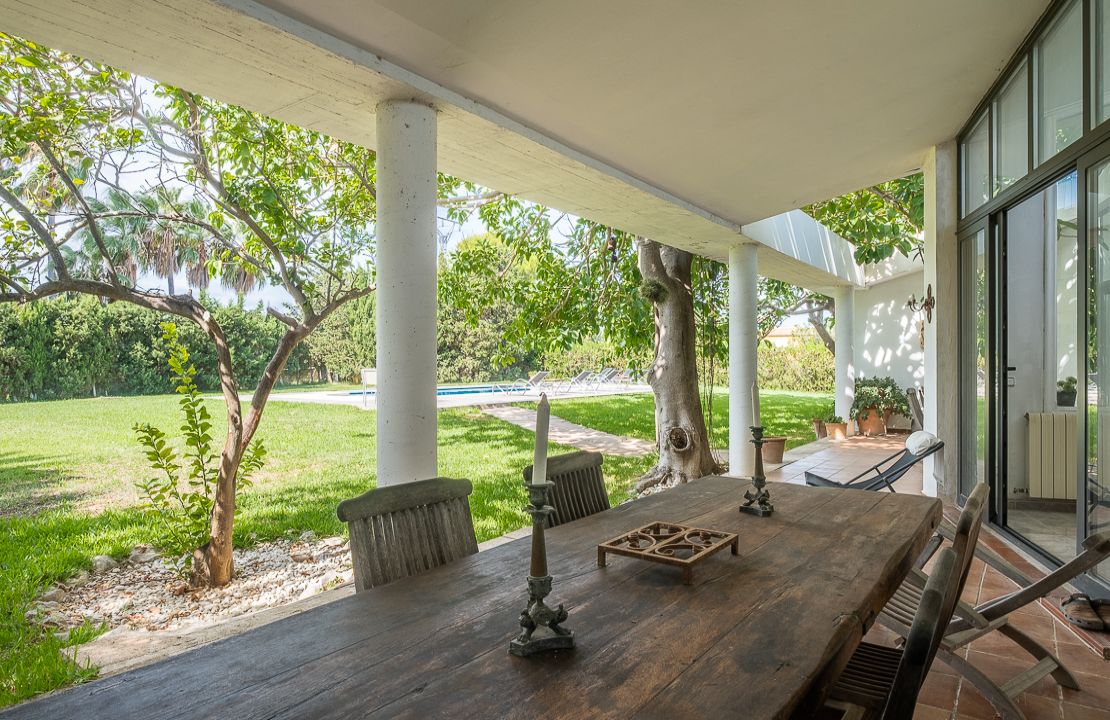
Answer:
(78, 347)
(804, 364)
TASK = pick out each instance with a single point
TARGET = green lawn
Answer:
(782, 412)
(67, 473)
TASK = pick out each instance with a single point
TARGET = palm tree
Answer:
(157, 232)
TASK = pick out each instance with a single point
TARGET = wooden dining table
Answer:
(756, 635)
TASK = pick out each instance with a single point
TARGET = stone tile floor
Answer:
(945, 695)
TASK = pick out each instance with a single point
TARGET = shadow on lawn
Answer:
(32, 484)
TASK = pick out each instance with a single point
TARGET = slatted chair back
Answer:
(925, 634)
(579, 486)
(405, 529)
(966, 537)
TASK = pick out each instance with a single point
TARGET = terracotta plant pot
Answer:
(871, 422)
(819, 428)
(837, 431)
(773, 448)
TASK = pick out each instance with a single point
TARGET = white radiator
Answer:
(1051, 450)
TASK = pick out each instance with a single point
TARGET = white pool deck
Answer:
(369, 402)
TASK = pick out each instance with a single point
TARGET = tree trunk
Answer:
(213, 564)
(684, 450)
(818, 324)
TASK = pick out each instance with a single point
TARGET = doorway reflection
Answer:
(1042, 368)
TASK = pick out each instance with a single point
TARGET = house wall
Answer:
(887, 335)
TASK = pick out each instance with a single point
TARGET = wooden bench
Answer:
(402, 530)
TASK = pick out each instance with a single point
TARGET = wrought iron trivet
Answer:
(669, 544)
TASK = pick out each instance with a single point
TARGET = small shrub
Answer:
(183, 513)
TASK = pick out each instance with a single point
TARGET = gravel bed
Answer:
(144, 593)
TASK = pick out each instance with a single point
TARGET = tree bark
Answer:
(684, 450)
(818, 324)
(213, 564)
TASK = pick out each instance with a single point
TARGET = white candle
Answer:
(755, 406)
(543, 421)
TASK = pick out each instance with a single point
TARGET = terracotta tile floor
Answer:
(945, 694)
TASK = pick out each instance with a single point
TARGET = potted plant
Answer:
(773, 448)
(836, 427)
(819, 427)
(876, 399)
(1065, 391)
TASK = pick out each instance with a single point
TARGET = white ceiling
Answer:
(744, 108)
(683, 121)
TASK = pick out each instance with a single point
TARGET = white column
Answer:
(743, 278)
(941, 335)
(844, 336)
(406, 295)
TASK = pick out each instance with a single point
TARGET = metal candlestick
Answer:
(539, 623)
(758, 502)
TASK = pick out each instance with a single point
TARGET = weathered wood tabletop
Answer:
(750, 638)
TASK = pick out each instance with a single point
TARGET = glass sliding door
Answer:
(1095, 511)
(1042, 361)
(975, 345)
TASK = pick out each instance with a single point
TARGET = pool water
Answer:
(444, 390)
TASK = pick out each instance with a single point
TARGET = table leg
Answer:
(600, 557)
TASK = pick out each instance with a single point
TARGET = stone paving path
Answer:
(568, 433)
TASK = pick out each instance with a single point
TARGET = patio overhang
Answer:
(551, 103)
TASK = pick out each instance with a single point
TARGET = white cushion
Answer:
(921, 441)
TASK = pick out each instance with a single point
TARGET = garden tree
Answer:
(592, 281)
(681, 434)
(472, 337)
(635, 291)
(779, 300)
(152, 244)
(283, 205)
(878, 220)
(345, 342)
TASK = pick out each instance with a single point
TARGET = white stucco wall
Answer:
(887, 338)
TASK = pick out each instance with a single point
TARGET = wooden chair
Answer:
(579, 486)
(972, 623)
(405, 529)
(883, 682)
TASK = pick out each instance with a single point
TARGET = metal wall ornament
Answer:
(926, 304)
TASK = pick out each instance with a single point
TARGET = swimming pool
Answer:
(445, 390)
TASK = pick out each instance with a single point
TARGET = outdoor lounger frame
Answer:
(877, 477)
